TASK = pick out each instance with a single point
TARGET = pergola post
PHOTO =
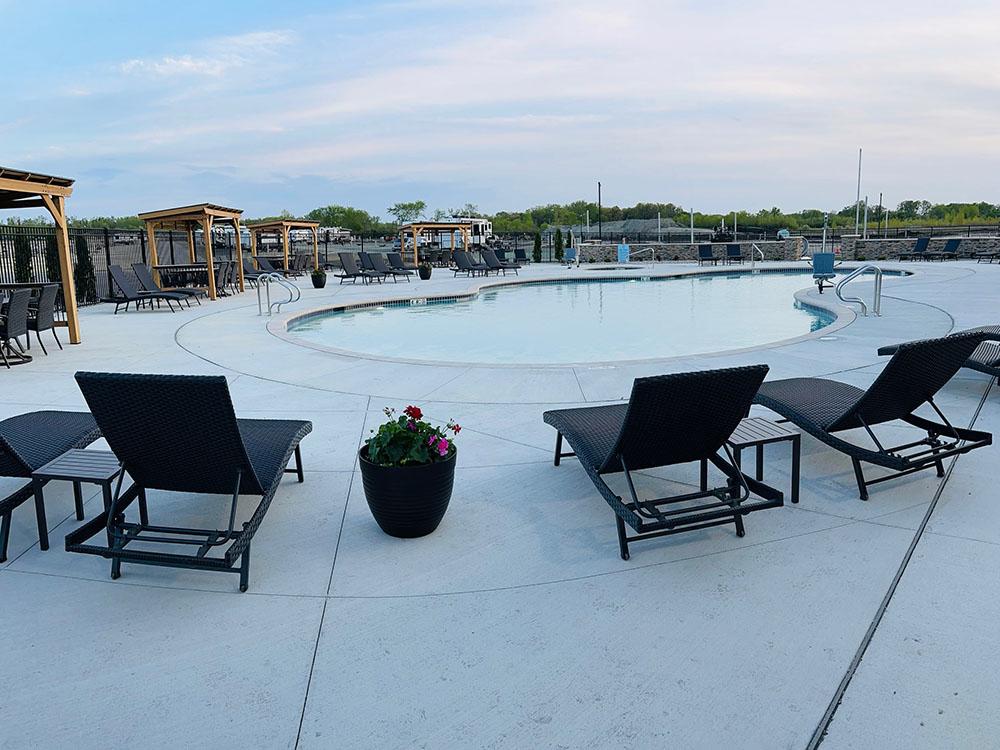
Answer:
(284, 238)
(192, 256)
(416, 253)
(153, 257)
(56, 205)
(316, 247)
(206, 224)
(253, 247)
(239, 255)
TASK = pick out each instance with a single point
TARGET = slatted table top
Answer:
(760, 431)
(81, 465)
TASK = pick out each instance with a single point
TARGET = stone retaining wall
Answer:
(853, 248)
(790, 249)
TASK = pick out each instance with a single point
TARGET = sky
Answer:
(712, 105)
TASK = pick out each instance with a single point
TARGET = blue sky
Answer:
(289, 106)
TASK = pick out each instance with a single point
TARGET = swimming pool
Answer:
(585, 320)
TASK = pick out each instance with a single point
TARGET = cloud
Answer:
(233, 52)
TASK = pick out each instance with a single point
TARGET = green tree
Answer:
(536, 252)
(86, 279)
(559, 245)
(53, 271)
(407, 212)
(22, 260)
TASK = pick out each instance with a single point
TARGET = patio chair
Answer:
(706, 254)
(493, 263)
(27, 443)
(148, 284)
(464, 264)
(734, 254)
(948, 252)
(350, 270)
(42, 316)
(397, 263)
(520, 256)
(378, 260)
(668, 420)
(823, 269)
(14, 323)
(917, 371)
(918, 251)
(265, 265)
(160, 451)
(129, 294)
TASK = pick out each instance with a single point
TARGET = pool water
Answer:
(579, 321)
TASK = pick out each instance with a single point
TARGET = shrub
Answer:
(559, 245)
(22, 260)
(86, 279)
(536, 253)
(53, 271)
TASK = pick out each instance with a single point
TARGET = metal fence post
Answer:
(142, 245)
(107, 258)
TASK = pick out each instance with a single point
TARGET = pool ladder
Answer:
(265, 281)
(877, 296)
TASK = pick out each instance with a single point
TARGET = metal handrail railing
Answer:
(264, 282)
(876, 297)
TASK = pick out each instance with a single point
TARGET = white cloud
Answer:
(227, 53)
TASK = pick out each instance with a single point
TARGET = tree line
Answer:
(359, 221)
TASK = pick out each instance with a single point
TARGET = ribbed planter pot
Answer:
(424, 272)
(318, 281)
(407, 501)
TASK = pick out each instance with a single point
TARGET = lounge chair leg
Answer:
(4, 535)
(298, 463)
(38, 335)
(245, 568)
(860, 476)
(56, 337)
(740, 530)
(78, 500)
(559, 450)
(43, 528)
(143, 510)
(703, 475)
(622, 539)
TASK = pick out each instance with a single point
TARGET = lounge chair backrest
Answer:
(823, 264)
(45, 310)
(349, 262)
(705, 252)
(378, 263)
(248, 269)
(490, 258)
(396, 261)
(733, 251)
(501, 254)
(683, 416)
(123, 282)
(265, 265)
(462, 260)
(915, 373)
(920, 246)
(146, 281)
(951, 246)
(520, 254)
(15, 321)
(366, 261)
(171, 432)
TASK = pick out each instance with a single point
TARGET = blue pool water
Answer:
(579, 321)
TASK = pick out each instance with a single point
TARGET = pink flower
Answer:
(442, 447)
(411, 425)
(431, 439)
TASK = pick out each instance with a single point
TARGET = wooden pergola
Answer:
(31, 190)
(418, 228)
(282, 227)
(188, 218)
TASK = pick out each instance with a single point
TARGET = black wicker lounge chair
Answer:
(948, 252)
(267, 267)
(520, 256)
(42, 316)
(396, 261)
(985, 358)
(349, 264)
(916, 372)
(382, 267)
(27, 443)
(734, 254)
(669, 419)
(918, 251)
(14, 323)
(148, 284)
(706, 254)
(495, 264)
(129, 294)
(251, 274)
(464, 264)
(224, 456)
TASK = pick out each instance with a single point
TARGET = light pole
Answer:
(600, 226)
(857, 203)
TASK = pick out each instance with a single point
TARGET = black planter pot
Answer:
(318, 281)
(424, 272)
(407, 501)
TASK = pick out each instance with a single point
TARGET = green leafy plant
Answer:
(22, 260)
(407, 440)
(86, 278)
(536, 252)
(53, 271)
(559, 245)
(318, 273)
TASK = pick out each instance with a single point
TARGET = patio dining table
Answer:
(184, 274)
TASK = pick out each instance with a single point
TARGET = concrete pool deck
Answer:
(515, 624)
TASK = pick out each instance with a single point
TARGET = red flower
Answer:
(456, 428)
(413, 412)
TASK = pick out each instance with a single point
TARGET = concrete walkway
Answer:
(515, 624)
